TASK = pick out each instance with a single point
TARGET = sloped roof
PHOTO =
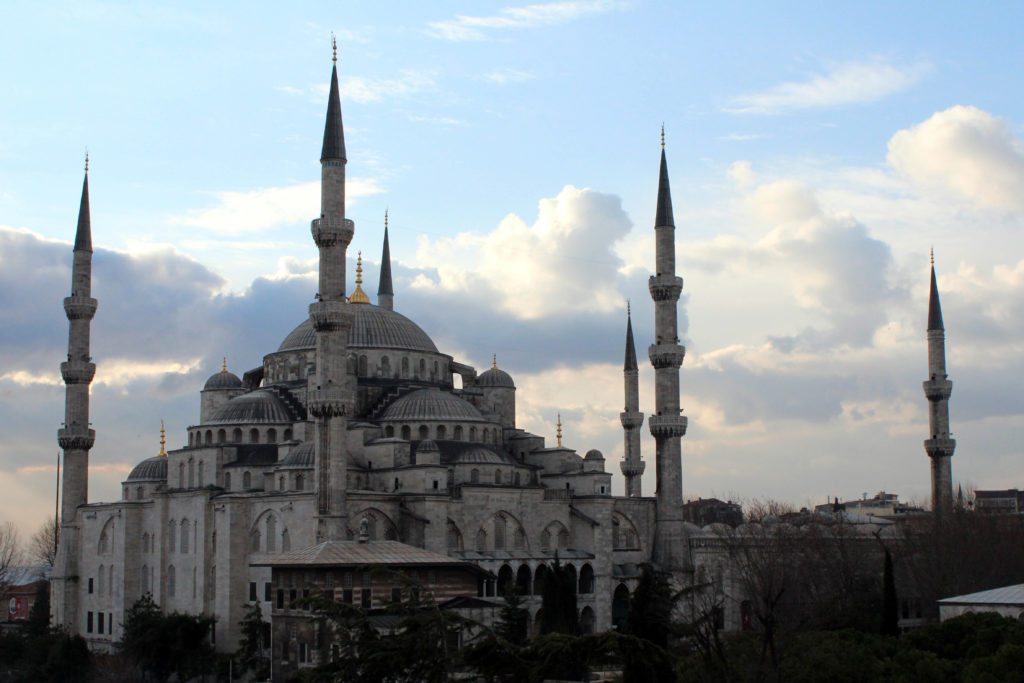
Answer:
(371, 553)
(1007, 595)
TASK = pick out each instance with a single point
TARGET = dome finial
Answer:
(558, 432)
(87, 161)
(224, 365)
(629, 310)
(359, 296)
(932, 256)
(385, 218)
(663, 135)
(334, 49)
(163, 441)
(494, 361)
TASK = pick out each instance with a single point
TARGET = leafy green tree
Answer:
(251, 653)
(38, 623)
(514, 618)
(890, 604)
(165, 644)
(558, 601)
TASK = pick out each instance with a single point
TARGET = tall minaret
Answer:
(331, 396)
(75, 437)
(385, 290)
(631, 417)
(937, 389)
(670, 550)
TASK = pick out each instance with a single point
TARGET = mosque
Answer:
(358, 428)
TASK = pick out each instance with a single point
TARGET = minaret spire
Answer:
(670, 551)
(937, 389)
(331, 391)
(632, 419)
(75, 437)
(385, 290)
(558, 432)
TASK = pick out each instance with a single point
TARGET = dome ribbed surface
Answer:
(372, 328)
(478, 455)
(495, 377)
(299, 456)
(255, 407)
(150, 469)
(427, 445)
(431, 404)
(223, 380)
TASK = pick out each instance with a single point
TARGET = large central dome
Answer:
(372, 328)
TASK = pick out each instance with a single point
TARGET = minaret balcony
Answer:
(328, 316)
(667, 426)
(666, 355)
(80, 307)
(330, 231)
(632, 469)
(940, 447)
(937, 389)
(77, 372)
(76, 438)
(665, 287)
(631, 420)
(326, 403)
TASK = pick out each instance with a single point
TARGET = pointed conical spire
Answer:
(663, 215)
(334, 131)
(83, 236)
(934, 307)
(630, 363)
(385, 286)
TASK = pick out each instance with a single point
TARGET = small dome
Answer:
(594, 454)
(427, 445)
(223, 380)
(431, 405)
(300, 456)
(478, 454)
(258, 406)
(150, 469)
(495, 377)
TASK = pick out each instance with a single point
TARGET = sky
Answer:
(817, 151)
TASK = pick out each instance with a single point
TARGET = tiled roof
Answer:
(1007, 595)
(371, 553)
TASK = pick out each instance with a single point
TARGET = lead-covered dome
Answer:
(260, 406)
(478, 455)
(495, 377)
(301, 456)
(223, 380)
(150, 469)
(431, 405)
(372, 328)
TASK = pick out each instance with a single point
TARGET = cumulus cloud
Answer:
(563, 262)
(848, 83)
(967, 150)
(467, 27)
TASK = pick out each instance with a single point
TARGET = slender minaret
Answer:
(331, 396)
(385, 290)
(75, 437)
(667, 425)
(937, 389)
(632, 419)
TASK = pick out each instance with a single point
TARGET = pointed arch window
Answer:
(184, 536)
(271, 534)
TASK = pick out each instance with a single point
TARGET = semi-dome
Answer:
(150, 469)
(300, 456)
(431, 405)
(258, 406)
(478, 455)
(427, 445)
(372, 328)
(223, 380)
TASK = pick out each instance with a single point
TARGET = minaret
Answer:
(331, 396)
(667, 425)
(632, 419)
(75, 437)
(937, 390)
(385, 290)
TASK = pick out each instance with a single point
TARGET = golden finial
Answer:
(663, 135)
(224, 365)
(87, 160)
(163, 441)
(494, 361)
(359, 296)
(558, 433)
(334, 49)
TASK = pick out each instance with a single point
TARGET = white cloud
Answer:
(465, 27)
(256, 210)
(967, 150)
(563, 262)
(849, 83)
(503, 76)
(363, 90)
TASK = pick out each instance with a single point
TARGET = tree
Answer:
(890, 605)
(650, 625)
(10, 550)
(251, 653)
(42, 547)
(164, 644)
(558, 601)
(39, 616)
(514, 618)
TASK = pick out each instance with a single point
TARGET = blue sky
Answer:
(816, 151)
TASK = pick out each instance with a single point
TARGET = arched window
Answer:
(191, 438)
(271, 435)
(472, 434)
(423, 368)
(202, 474)
(523, 580)
(385, 366)
(458, 432)
(405, 366)
(227, 481)
(474, 476)
(454, 537)
(620, 607)
(286, 541)
(406, 432)
(497, 476)
(435, 370)
(288, 434)
(362, 366)
(170, 580)
(191, 473)
(545, 540)
(506, 580)
(481, 540)
(184, 536)
(181, 475)
(236, 435)
(586, 579)
(485, 435)
(280, 483)
(254, 541)
(172, 535)
(442, 432)
(587, 620)
(102, 573)
(540, 577)
(389, 431)
(140, 493)
(246, 480)
(563, 538)
(254, 435)
(271, 534)
(499, 532)
(424, 432)
(300, 482)
(209, 437)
